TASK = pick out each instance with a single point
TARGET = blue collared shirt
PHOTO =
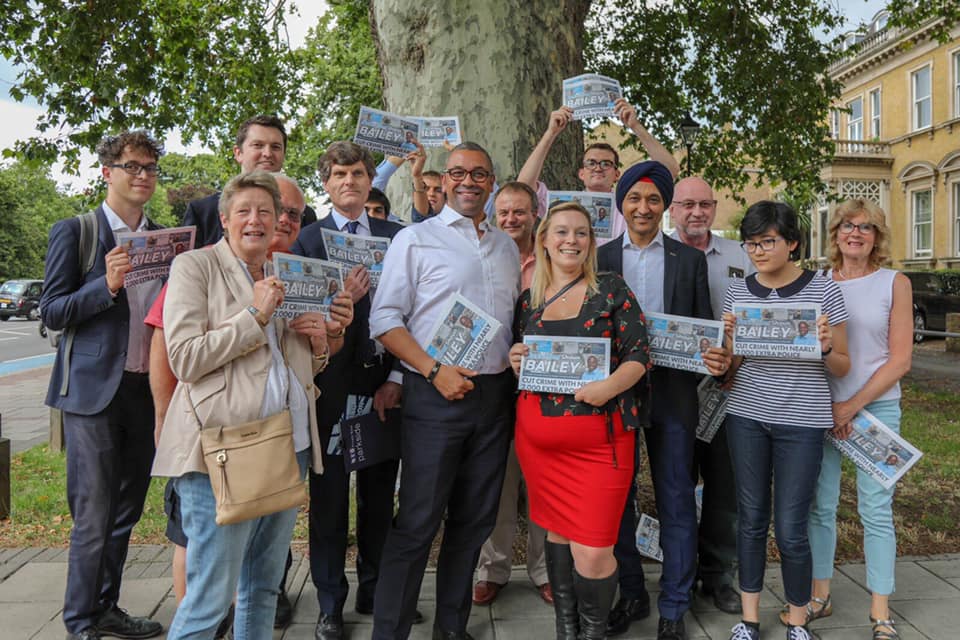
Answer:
(643, 271)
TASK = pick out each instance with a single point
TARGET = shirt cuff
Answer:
(395, 376)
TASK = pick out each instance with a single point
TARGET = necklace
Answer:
(844, 277)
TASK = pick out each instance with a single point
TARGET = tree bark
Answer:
(498, 65)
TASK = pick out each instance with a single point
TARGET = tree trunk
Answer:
(498, 65)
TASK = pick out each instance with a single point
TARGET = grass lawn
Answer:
(927, 503)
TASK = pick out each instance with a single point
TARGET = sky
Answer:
(20, 118)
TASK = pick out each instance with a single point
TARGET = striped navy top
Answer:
(780, 390)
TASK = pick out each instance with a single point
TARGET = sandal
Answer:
(879, 633)
(824, 611)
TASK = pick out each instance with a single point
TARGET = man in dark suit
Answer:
(667, 277)
(99, 382)
(355, 383)
(261, 144)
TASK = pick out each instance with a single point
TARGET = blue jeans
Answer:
(789, 456)
(875, 505)
(246, 558)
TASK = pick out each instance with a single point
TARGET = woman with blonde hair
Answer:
(576, 450)
(880, 339)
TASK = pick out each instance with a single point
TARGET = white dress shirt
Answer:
(430, 261)
(643, 271)
(363, 229)
(140, 298)
(726, 261)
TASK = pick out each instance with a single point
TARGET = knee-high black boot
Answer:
(594, 599)
(560, 573)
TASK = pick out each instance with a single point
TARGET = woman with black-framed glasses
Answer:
(777, 414)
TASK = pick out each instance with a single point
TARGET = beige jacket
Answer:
(220, 355)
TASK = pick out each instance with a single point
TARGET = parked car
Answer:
(20, 298)
(935, 294)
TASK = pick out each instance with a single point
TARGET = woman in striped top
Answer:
(880, 302)
(777, 414)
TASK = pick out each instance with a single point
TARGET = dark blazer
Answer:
(354, 369)
(685, 293)
(101, 322)
(204, 214)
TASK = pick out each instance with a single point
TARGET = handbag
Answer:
(253, 468)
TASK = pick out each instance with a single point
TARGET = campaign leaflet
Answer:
(387, 132)
(591, 95)
(462, 333)
(434, 132)
(151, 252)
(598, 205)
(367, 441)
(679, 342)
(648, 537)
(563, 364)
(309, 284)
(777, 330)
(877, 450)
(713, 408)
(350, 249)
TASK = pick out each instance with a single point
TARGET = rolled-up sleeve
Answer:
(393, 301)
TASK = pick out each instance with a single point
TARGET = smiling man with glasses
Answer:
(456, 434)
(600, 168)
(99, 382)
(693, 212)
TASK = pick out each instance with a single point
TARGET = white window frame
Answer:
(955, 70)
(915, 101)
(955, 208)
(876, 129)
(855, 125)
(916, 251)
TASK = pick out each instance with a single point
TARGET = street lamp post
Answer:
(689, 129)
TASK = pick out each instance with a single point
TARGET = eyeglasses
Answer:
(690, 205)
(295, 215)
(767, 244)
(603, 165)
(134, 168)
(478, 175)
(864, 227)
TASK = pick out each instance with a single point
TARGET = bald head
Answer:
(693, 209)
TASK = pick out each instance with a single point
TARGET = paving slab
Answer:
(936, 619)
(913, 582)
(943, 567)
(35, 582)
(25, 619)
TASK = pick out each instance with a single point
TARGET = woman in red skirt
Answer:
(576, 449)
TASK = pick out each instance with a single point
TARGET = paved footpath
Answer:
(927, 602)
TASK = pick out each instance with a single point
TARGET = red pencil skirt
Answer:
(573, 487)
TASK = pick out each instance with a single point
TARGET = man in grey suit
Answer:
(99, 381)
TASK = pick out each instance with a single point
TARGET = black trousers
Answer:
(454, 456)
(717, 541)
(109, 456)
(330, 521)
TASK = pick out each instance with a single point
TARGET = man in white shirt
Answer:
(457, 433)
(516, 206)
(693, 211)
(600, 168)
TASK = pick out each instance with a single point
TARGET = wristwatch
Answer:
(256, 315)
(434, 371)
